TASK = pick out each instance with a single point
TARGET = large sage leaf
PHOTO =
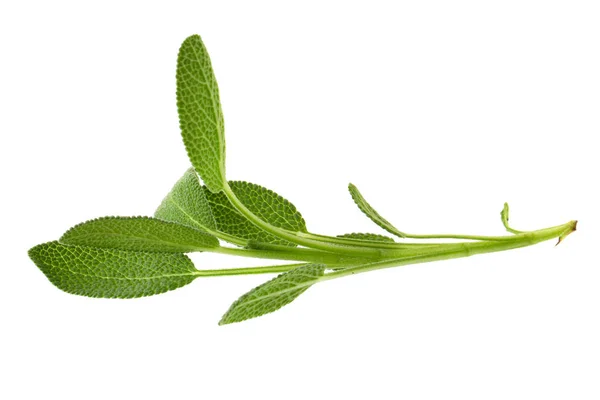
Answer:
(93, 272)
(200, 115)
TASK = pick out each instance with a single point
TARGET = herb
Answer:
(126, 257)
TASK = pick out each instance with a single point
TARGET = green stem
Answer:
(449, 251)
(269, 269)
(272, 269)
(389, 245)
(400, 251)
(353, 247)
(468, 249)
(293, 237)
(228, 238)
(455, 236)
(321, 257)
(290, 253)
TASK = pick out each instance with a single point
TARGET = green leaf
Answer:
(264, 203)
(274, 294)
(200, 115)
(110, 273)
(373, 237)
(504, 216)
(370, 212)
(139, 234)
(189, 203)
(186, 204)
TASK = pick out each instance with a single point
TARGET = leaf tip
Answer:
(32, 253)
(504, 214)
(36, 251)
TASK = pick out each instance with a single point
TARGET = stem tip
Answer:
(572, 228)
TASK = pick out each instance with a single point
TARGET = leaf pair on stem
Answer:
(127, 257)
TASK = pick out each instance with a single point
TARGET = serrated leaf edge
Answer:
(276, 195)
(61, 240)
(74, 292)
(307, 284)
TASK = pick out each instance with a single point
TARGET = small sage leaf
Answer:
(370, 212)
(110, 273)
(504, 215)
(139, 234)
(274, 294)
(372, 237)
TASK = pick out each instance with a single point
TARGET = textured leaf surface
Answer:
(186, 204)
(274, 294)
(93, 272)
(139, 234)
(264, 203)
(370, 212)
(200, 115)
(367, 236)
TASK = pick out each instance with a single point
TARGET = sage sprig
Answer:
(126, 257)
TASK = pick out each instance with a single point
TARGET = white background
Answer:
(438, 111)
